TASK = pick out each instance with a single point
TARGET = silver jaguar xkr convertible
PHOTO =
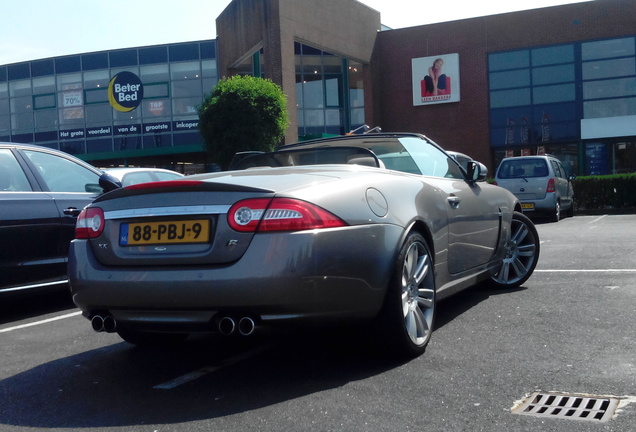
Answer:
(371, 229)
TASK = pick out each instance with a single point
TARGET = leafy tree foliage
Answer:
(242, 113)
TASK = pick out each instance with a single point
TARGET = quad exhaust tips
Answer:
(104, 324)
(228, 326)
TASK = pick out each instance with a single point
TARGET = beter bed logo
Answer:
(125, 91)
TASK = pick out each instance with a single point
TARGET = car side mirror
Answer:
(108, 182)
(476, 171)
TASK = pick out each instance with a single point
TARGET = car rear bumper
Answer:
(544, 205)
(328, 274)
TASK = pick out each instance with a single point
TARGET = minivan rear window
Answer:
(523, 168)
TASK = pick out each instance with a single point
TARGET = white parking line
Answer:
(191, 376)
(597, 219)
(40, 322)
(588, 271)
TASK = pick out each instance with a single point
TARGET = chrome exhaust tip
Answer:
(97, 322)
(246, 326)
(226, 326)
(110, 324)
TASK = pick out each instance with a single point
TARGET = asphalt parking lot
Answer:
(570, 329)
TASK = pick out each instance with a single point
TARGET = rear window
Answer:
(523, 168)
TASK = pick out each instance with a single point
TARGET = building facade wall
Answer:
(63, 103)
(464, 126)
(343, 27)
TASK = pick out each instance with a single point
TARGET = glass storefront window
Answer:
(552, 55)
(22, 104)
(134, 70)
(609, 68)
(191, 87)
(100, 114)
(96, 79)
(609, 108)
(314, 118)
(332, 65)
(157, 90)
(44, 101)
(129, 116)
(185, 108)
(312, 92)
(185, 51)
(153, 55)
(209, 69)
(554, 93)
(5, 118)
(69, 80)
(329, 92)
(154, 74)
(209, 84)
(509, 79)
(93, 96)
(20, 88)
(45, 119)
(157, 110)
(71, 116)
(510, 98)
(43, 85)
(22, 123)
(99, 145)
(609, 88)
(184, 71)
(553, 74)
(332, 91)
(123, 58)
(608, 48)
(332, 117)
(509, 60)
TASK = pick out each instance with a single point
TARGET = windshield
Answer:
(416, 156)
(523, 168)
(413, 155)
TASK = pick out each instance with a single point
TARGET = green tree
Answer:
(242, 113)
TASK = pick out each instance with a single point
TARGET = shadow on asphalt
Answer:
(20, 306)
(116, 385)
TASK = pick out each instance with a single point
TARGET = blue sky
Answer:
(36, 29)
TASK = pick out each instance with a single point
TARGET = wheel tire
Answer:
(522, 253)
(555, 216)
(409, 309)
(151, 339)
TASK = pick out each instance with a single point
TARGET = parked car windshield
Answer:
(523, 168)
(416, 156)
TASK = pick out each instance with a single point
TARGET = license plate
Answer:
(527, 206)
(164, 232)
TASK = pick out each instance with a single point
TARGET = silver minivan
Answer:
(540, 182)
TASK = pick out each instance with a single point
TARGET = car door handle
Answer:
(72, 211)
(453, 201)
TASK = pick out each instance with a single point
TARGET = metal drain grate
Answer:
(568, 406)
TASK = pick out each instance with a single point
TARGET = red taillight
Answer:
(90, 223)
(550, 187)
(279, 214)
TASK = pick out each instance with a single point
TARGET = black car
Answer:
(42, 191)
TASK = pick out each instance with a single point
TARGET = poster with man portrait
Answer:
(435, 79)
